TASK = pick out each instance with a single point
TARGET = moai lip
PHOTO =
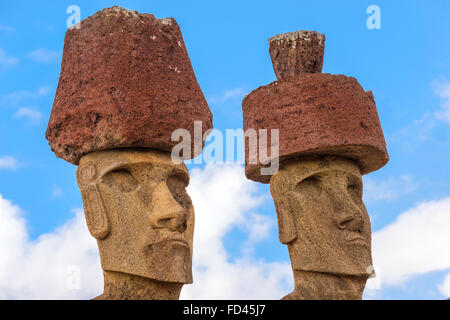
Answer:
(297, 52)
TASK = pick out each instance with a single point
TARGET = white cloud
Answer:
(389, 189)
(30, 114)
(13, 99)
(43, 55)
(229, 94)
(258, 227)
(234, 93)
(223, 200)
(7, 61)
(8, 162)
(418, 242)
(57, 192)
(43, 91)
(421, 129)
(444, 288)
(44, 26)
(62, 264)
(442, 89)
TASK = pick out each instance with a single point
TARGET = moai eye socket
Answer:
(355, 189)
(177, 185)
(121, 180)
(310, 186)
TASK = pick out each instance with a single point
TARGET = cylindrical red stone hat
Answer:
(316, 114)
(126, 81)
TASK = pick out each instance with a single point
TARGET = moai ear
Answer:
(287, 231)
(286, 224)
(94, 209)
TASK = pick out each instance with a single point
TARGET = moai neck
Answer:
(122, 286)
(318, 286)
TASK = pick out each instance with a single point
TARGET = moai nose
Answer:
(166, 211)
(348, 215)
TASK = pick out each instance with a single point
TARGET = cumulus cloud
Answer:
(419, 130)
(442, 89)
(224, 199)
(64, 264)
(416, 243)
(422, 129)
(234, 93)
(229, 94)
(30, 114)
(43, 55)
(8, 162)
(444, 288)
(7, 61)
(57, 192)
(388, 189)
(13, 99)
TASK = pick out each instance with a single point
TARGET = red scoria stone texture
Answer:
(317, 114)
(126, 81)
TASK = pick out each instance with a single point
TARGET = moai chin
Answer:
(329, 136)
(126, 84)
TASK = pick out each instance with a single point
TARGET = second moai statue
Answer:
(329, 136)
(126, 84)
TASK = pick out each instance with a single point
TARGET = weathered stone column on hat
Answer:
(126, 84)
(329, 136)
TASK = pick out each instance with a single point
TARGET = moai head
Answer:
(137, 208)
(321, 216)
(126, 85)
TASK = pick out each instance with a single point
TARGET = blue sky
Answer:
(405, 63)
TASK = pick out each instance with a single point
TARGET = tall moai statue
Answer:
(329, 136)
(126, 84)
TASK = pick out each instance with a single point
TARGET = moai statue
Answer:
(329, 136)
(126, 84)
